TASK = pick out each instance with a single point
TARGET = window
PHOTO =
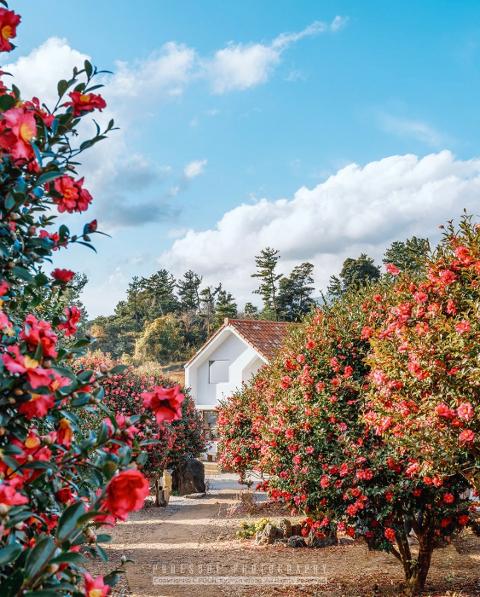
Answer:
(218, 371)
(209, 418)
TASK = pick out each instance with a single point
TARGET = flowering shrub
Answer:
(426, 361)
(324, 461)
(174, 432)
(56, 484)
(239, 428)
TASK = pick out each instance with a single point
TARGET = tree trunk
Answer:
(419, 571)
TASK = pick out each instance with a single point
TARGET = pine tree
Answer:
(266, 264)
(189, 291)
(224, 307)
(250, 311)
(408, 255)
(354, 274)
(295, 290)
(207, 306)
(159, 294)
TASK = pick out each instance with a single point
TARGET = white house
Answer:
(228, 359)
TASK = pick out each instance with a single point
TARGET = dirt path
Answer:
(194, 539)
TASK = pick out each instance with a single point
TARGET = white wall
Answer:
(244, 362)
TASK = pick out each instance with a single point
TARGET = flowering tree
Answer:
(239, 423)
(56, 485)
(426, 361)
(166, 441)
(324, 461)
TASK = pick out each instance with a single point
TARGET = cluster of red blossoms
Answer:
(70, 196)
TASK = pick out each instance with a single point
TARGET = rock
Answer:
(268, 535)
(296, 541)
(313, 541)
(285, 527)
(296, 529)
(188, 477)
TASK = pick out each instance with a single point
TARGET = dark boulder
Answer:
(188, 477)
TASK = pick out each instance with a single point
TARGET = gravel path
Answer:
(194, 538)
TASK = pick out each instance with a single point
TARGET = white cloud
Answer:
(411, 128)
(241, 66)
(37, 73)
(165, 73)
(194, 169)
(357, 209)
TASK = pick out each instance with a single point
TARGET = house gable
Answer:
(235, 356)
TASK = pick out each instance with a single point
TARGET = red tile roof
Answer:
(266, 337)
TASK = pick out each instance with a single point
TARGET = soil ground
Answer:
(194, 539)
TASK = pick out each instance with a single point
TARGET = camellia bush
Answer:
(57, 484)
(165, 440)
(240, 422)
(321, 457)
(425, 391)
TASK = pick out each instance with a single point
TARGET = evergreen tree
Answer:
(266, 264)
(408, 255)
(295, 290)
(250, 311)
(355, 273)
(189, 291)
(224, 307)
(207, 306)
(159, 294)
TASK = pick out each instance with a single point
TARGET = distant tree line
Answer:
(166, 319)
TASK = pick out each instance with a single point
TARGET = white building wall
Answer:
(243, 363)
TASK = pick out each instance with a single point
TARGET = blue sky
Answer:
(231, 128)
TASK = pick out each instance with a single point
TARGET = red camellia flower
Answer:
(448, 498)
(389, 534)
(73, 316)
(95, 587)
(392, 269)
(73, 197)
(85, 102)
(9, 22)
(37, 332)
(467, 436)
(37, 406)
(465, 411)
(63, 275)
(166, 403)
(10, 497)
(126, 493)
(17, 129)
(462, 327)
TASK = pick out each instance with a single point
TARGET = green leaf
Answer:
(7, 102)
(22, 273)
(41, 279)
(39, 556)
(104, 538)
(69, 558)
(9, 202)
(42, 593)
(88, 68)
(62, 86)
(10, 553)
(12, 584)
(20, 517)
(69, 520)
(48, 176)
